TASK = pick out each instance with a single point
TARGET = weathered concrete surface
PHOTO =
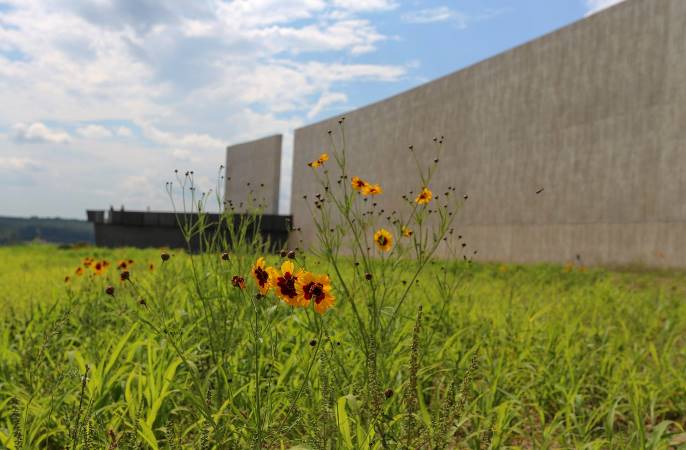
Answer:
(253, 172)
(594, 113)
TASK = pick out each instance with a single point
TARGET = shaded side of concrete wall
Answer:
(595, 114)
(164, 229)
(253, 172)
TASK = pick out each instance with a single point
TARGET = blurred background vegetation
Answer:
(14, 230)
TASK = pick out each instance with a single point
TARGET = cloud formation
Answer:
(431, 15)
(38, 132)
(446, 14)
(94, 132)
(114, 92)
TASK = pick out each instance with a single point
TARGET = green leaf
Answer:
(146, 433)
(116, 351)
(343, 422)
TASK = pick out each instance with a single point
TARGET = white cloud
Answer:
(124, 132)
(39, 132)
(365, 5)
(330, 73)
(325, 100)
(180, 154)
(192, 140)
(594, 6)
(445, 14)
(94, 132)
(15, 163)
(256, 125)
(18, 173)
(190, 78)
(254, 13)
(431, 15)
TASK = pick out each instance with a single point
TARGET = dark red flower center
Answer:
(315, 290)
(382, 240)
(286, 285)
(262, 276)
(238, 281)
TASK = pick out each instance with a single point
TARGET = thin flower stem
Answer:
(256, 347)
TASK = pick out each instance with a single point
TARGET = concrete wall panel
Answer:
(595, 113)
(253, 171)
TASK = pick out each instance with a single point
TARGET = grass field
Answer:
(366, 341)
(565, 358)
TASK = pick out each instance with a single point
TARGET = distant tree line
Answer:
(14, 230)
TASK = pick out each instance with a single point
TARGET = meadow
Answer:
(566, 359)
(369, 340)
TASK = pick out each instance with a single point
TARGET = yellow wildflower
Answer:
(314, 288)
(383, 240)
(424, 196)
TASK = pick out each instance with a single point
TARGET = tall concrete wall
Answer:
(252, 174)
(594, 113)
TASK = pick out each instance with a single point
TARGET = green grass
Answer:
(592, 359)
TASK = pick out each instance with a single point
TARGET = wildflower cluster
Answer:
(389, 243)
(294, 286)
(92, 266)
(364, 187)
(98, 268)
(364, 243)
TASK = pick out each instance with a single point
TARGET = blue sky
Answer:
(102, 99)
